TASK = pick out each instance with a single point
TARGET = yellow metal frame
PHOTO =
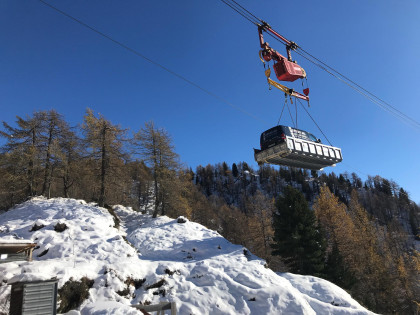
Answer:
(283, 88)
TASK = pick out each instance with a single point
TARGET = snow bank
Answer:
(168, 261)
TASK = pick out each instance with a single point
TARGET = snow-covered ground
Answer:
(184, 263)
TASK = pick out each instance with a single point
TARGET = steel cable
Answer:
(330, 70)
(319, 128)
(371, 97)
(240, 9)
(153, 62)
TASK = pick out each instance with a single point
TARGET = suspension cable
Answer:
(242, 11)
(253, 19)
(322, 65)
(363, 89)
(136, 52)
(371, 97)
(248, 12)
(374, 99)
(290, 113)
(314, 121)
(281, 114)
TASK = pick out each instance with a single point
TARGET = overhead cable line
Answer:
(239, 9)
(255, 20)
(242, 11)
(245, 10)
(136, 52)
(373, 98)
(363, 89)
(322, 65)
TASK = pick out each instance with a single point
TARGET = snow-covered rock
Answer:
(168, 261)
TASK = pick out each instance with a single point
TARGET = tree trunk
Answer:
(103, 169)
(31, 166)
(155, 176)
(47, 172)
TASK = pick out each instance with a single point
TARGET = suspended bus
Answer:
(283, 145)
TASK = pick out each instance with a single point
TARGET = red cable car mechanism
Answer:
(285, 68)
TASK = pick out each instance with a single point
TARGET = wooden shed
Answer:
(16, 250)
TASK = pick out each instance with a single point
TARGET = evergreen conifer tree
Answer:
(337, 271)
(296, 235)
(235, 171)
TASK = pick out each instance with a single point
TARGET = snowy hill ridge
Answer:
(184, 263)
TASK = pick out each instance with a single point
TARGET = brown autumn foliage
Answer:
(382, 277)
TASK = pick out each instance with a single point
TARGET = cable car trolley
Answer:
(283, 145)
(285, 68)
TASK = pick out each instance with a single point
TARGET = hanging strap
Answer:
(290, 113)
(284, 105)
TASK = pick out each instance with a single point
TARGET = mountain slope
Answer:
(167, 261)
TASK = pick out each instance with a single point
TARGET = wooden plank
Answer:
(157, 307)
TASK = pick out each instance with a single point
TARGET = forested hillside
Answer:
(358, 234)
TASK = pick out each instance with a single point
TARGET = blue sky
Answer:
(48, 61)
